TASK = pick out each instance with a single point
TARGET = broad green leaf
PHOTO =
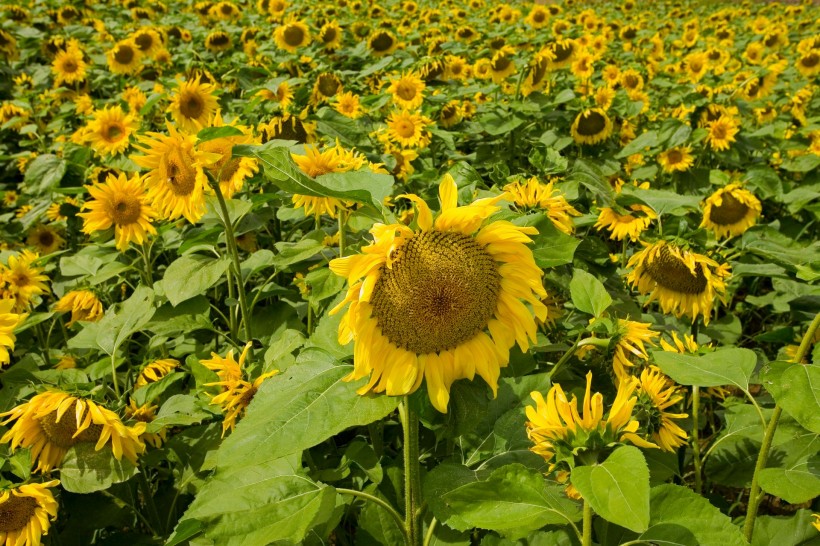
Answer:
(376, 526)
(291, 253)
(550, 248)
(618, 488)
(794, 470)
(792, 530)
(323, 284)
(662, 201)
(125, 319)
(85, 470)
(799, 395)
(44, 173)
(192, 275)
(589, 175)
(512, 500)
(213, 133)
(721, 367)
(181, 409)
(588, 293)
(644, 140)
(678, 514)
(154, 390)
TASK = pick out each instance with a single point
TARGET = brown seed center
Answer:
(671, 273)
(729, 212)
(16, 512)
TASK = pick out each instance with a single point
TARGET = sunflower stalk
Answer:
(412, 483)
(587, 536)
(696, 439)
(755, 494)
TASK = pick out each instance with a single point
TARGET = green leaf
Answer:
(550, 248)
(663, 202)
(618, 488)
(44, 173)
(84, 470)
(678, 514)
(181, 410)
(799, 395)
(793, 475)
(192, 275)
(722, 367)
(793, 530)
(590, 176)
(154, 390)
(644, 140)
(588, 293)
(323, 284)
(213, 133)
(123, 320)
(512, 500)
(361, 186)
(291, 253)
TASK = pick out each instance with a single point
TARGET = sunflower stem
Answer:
(428, 537)
(587, 536)
(376, 500)
(755, 495)
(696, 439)
(234, 252)
(342, 221)
(146, 256)
(412, 485)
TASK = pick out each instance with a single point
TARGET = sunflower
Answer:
(26, 513)
(218, 41)
(538, 17)
(621, 226)
(9, 321)
(326, 87)
(292, 36)
(591, 126)
(560, 432)
(193, 104)
(562, 53)
(502, 65)
(535, 195)
(68, 66)
(46, 239)
(450, 114)
(110, 130)
(347, 104)
(677, 159)
(288, 127)
(145, 414)
(407, 91)
(630, 339)
(722, 132)
(423, 301)
(231, 172)
(656, 393)
(683, 282)
(148, 41)
(236, 392)
(730, 211)
(315, 163)
(120, 202)
(54, 421)
(809, 63)
(83, 305)
(330, 36)
(408, 130)
(124, 58)
(382, 42)
(23, 281)
(155, 371)
(8, 46)
(66, 362)
(177, 181)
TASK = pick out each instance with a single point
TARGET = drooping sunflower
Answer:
(231, 172)
(291, 36)
(408, 130)
(155, 371)
(109, 132)
(145, 413)
(502, 65)
(347, 104)
(124, 58)
(83, 305)
(630, 342)
(9, 320)
(54, 421)
(218, 41)
(656, 394)
(193, 104)
(327, 86)
(809, 63)
(591, 126)
(450, 114)
(177, 181)
(407, 91)
(330, 36)
(563, 53)
(677, 159)
(120, 202)
(45, 239)
(730, 211)
(682, 281)
(315, 163)
(535, 195)
(288, 127)
(68, 66)
(236, 392)
(382, 42)
(722, 132)
(621, 226)
(27, 512)
(22, 279)
(441, 302)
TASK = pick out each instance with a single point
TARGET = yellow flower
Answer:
(66, 362)
(218, 41)
(722, 132)
(382, 42)
(145, 414)
(109, 131)
(9, 321)
(193, 104)
(347, 104)
(120, 202)
(231, 172)
(630, 343)
(326, 87)
(534, 194)
(68, 66)
(408, 130)
(27, 513)
(407, 91)
(124, 58)
(53, 421)
(23, 280)
(678, 159)
(442, 302)
(155, 371)
(315, 163)
(683, 282)
(291, 36)
(629, 225)
(656, 394)
(730, 211)
(591, 127)
(83, 305)
(330, 36)
(45, 239)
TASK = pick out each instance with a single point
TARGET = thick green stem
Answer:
(412, 484)
(431, 529)
(755, 495)
(696, 438)
(587, 536)
(234, 252)
(376, 500)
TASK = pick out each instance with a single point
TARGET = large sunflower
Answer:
(621, 226)
(68, 66)
(722, 132)
(53, 421)
(730, 211)
(177, 181)
(45, 239)
(110, 130)
(407, 91)
(125, 57)
(382, 42)
(9, 321)
(591, 126)
(193, 104)
(120, 202)
(683, 282)
(327, 86)
(231, 172)
(442, 302)
(26, 513)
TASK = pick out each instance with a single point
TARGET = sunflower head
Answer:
(120, 202)
(83, 304)
(26, 512)
(591, 126)
(292, 36)
(193, 104)
(656, 395)
(730, 211)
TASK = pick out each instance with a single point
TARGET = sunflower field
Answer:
(411, 273)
